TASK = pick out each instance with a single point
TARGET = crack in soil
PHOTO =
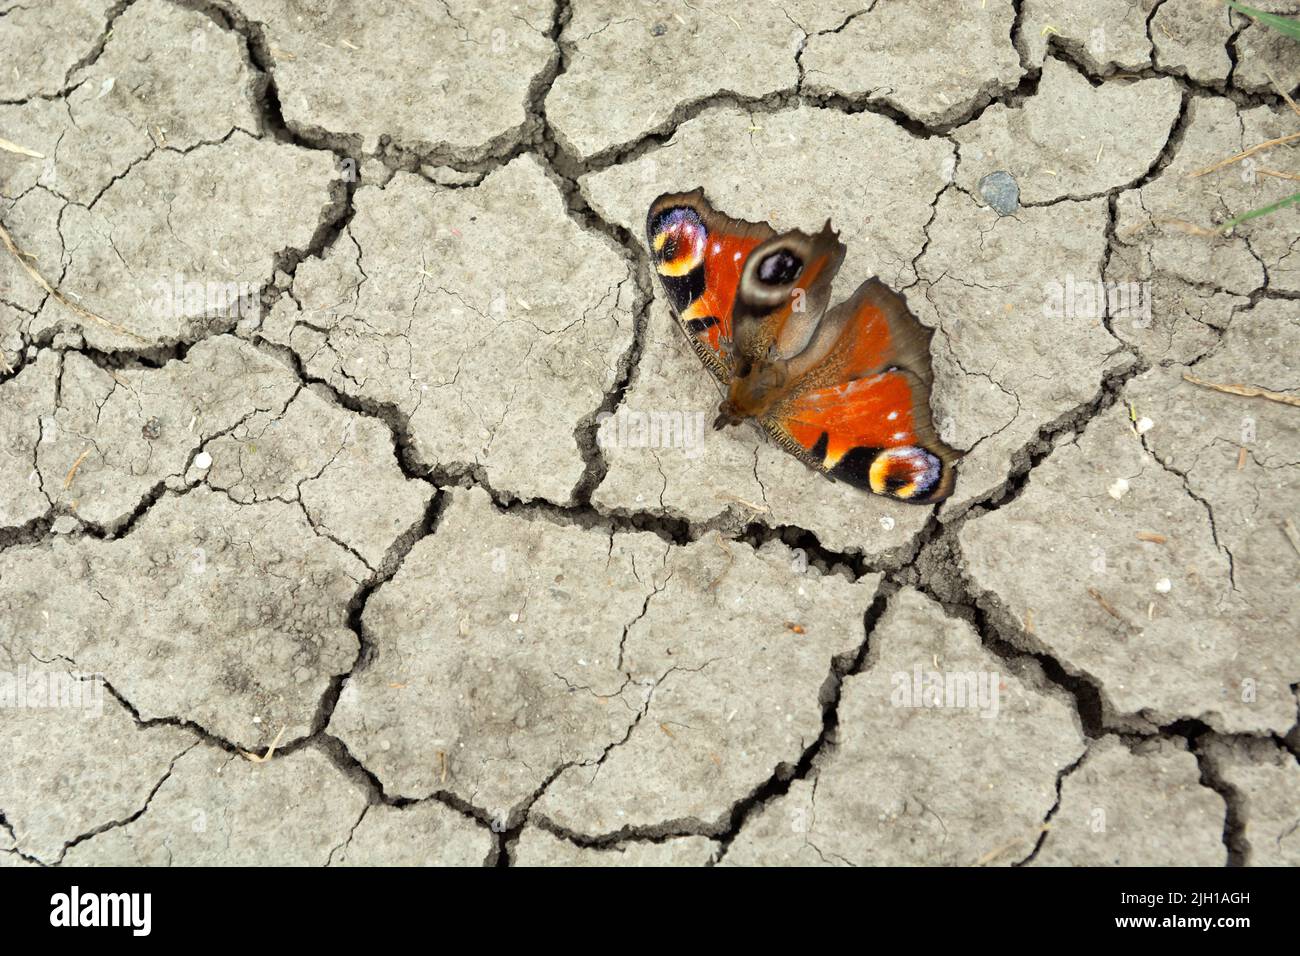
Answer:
(931, 562)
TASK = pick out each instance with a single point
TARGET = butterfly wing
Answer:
(858, 408)
(699, 255)
(784, 289)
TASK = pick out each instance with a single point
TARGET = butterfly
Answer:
(844, 389)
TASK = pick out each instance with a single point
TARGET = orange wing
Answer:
(784, 289)
(860, 407)
(857, 406)
(700, 256)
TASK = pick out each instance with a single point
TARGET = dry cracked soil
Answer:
(331, 531)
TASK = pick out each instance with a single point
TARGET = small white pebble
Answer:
(887, 522)
(1164, 585)
(1144, 425)
(203, 461)
(1118, 489)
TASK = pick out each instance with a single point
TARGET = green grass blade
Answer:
(1283, 25)
(1262, 211)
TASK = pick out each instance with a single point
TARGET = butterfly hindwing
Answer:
(784, 289)
(859, 410)
(699, 255)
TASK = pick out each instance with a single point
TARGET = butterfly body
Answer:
(845, 389)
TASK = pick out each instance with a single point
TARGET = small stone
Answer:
(64, 524)
(203, 461)
(1164, 585)
(1144, 425)
(1002, 193)
(152, 429)
(1118, 489)
(887, 522)
(658, 30)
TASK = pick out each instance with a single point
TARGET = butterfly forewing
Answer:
(784, 289)
(699, 255)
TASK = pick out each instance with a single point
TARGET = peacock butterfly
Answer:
(845, 389)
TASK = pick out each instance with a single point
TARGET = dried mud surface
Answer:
(322, 540)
